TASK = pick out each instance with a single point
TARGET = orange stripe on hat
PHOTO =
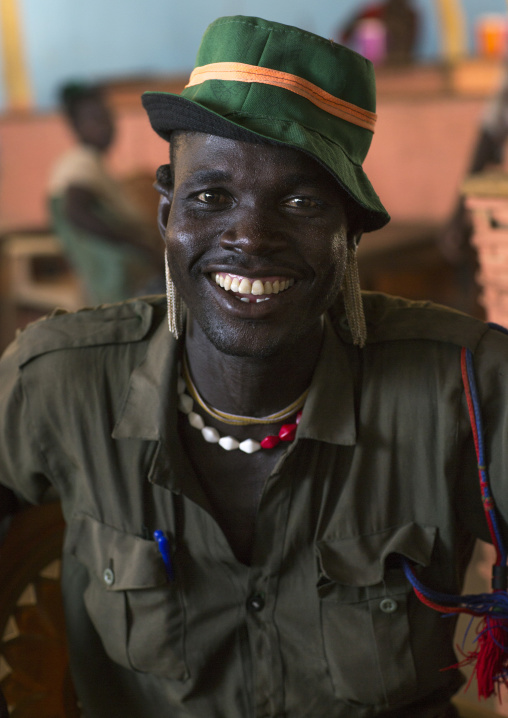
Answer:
(240, 72)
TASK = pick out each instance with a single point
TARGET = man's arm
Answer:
(9, 504)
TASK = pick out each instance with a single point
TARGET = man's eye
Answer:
(301, 203)
(213, 197)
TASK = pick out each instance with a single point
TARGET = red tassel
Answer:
(490, 657)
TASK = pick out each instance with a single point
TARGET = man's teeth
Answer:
(257, 288)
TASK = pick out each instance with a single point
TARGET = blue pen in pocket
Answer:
(163, 544)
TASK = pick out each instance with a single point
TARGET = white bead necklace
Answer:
(229, 443)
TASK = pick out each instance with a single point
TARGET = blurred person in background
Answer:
(109, 242)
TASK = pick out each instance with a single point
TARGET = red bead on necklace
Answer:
(286, 433)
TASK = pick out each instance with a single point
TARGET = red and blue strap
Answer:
(490, 657)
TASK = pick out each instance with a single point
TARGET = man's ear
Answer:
(354, 223)
(353, 238)
(166, 197)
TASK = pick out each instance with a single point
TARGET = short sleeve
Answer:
(21, 465)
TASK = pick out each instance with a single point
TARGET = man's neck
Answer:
(251, 386)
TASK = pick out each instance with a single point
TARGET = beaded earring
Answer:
(176, 307)
(353, 299)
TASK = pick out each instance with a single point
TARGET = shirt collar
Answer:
(329, 411)
(328, 414)
(141, 416)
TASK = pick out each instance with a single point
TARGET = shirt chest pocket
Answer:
(364, 612)
(136, 611)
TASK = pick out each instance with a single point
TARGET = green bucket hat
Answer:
(258, 80)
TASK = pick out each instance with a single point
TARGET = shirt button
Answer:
(108, 576)
(256, 602)
(388, 605)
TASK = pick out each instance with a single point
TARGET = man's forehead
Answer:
(204, 140)
(200, 150)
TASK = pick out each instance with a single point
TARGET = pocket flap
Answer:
(119, 560)
(360, 560)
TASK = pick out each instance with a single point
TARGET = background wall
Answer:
(103, 39)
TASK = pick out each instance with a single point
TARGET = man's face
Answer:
(94, 123)
(256, 239)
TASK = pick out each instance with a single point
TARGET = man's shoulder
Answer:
(110, 324)
(391, 319)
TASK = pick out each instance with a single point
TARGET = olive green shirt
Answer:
(323, 623)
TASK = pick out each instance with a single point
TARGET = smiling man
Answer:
(244, 490)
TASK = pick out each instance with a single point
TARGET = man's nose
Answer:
(253, 232)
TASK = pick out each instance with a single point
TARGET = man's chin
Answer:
(251, 342)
